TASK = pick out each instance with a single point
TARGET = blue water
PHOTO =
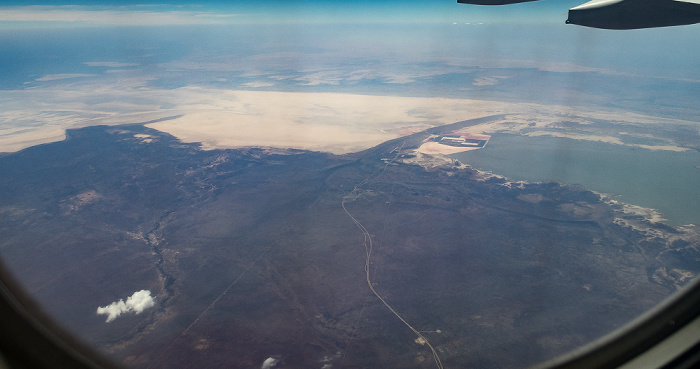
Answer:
(663, 180)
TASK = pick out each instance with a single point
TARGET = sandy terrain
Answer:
(333, 122)
(438, 148)
(337, 123)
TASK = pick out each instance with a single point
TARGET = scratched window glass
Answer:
(317, 184)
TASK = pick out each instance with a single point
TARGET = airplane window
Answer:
(321, 184)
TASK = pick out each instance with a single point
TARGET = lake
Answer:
(663, 180)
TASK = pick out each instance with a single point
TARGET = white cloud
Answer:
(257, 84)
(138, 302)
(78, 14)
(488, 81)
(328, 360)
(109, 64)
(269, 363)
(321, 78)
(54, 77)
(546, 66)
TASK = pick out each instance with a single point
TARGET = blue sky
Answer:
(533, 31)
(28, 13)
(380, 30)
(529, 30)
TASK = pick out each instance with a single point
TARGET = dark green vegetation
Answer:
(250, 254)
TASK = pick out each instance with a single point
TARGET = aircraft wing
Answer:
(632, 14)
(623, 14)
